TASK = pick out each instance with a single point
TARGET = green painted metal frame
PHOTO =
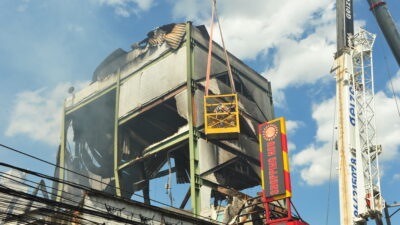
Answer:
(111, 87)
(61, 164)
(116, 128)
(139, 111)
(164, 145)
(190, 135)
(195, 181)
(90, 100)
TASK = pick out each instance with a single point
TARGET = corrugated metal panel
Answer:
(174, 38)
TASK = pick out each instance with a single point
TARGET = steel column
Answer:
(62, 156)
(116, 126)
(195, 182)
(157, 148)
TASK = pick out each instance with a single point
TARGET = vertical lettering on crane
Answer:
(353, 161)
(274, 160)
(348, 18)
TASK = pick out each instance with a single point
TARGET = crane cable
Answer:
(328, 202)
(214, 14)
(389, 77)
(388, 73)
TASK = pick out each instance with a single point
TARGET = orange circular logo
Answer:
(270, 131)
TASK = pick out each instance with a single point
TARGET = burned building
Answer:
(142, 119)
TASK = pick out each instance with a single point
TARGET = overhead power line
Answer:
(80, 186)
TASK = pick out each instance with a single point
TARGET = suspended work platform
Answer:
(221, 116)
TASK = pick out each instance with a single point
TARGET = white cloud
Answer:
(323, 114)
(279, 98)
(23, 6)
(122, 12)
(293, 125)
(37, 113)
(314, 160)
(297, 37)
(126, 8)
(395, 82)
(75, 28)
(258, 32)
(194, 10)
(315, 164)
(396, 176)
(301, 62)
(291, 146)
(291, 128)
(387, 126)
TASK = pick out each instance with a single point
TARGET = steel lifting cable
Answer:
(214, 14)
(386, 62)
(331, 163)
(228, 64)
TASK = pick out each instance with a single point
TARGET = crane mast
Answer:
(366, 120)
(359, 184)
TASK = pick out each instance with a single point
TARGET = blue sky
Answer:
(47, 46)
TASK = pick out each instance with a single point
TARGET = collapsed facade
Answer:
(142, 119)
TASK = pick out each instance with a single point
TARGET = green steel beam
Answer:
(157, 148)
(80, 105)
(62, 155)
(152, 104)
(195, 181)
(116, 158)
(129, 117)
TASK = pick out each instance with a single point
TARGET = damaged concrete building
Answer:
(142, 119)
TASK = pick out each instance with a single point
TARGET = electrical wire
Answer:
(330, 165)
(79, 185)
(40, 211)
(47, 209)
(388, 74)
(389, 77)
(56, 204)
(138, 215)
(228, 64)
(37, 207)
(94, 209)
(50, 193)
(66, 169)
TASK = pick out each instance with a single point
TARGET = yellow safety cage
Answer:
(221, 116)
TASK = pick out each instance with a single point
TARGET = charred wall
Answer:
(153, 94)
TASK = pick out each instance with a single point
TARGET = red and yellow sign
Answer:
(274, 160)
